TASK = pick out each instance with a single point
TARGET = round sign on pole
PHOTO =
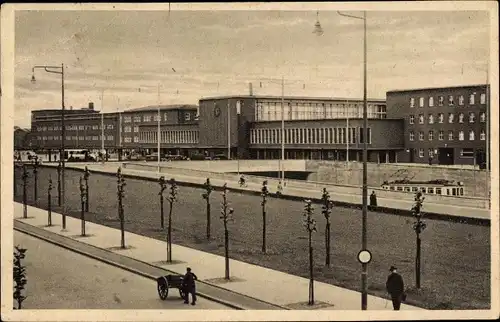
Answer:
(364, 256)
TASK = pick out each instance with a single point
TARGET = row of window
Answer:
(451, 135)
(465, 152)
(309, 136)
(451, 100)
(272, 111)
(75, 138)
(451, 118)
(188, 137)
(74, 127)
(154, 117)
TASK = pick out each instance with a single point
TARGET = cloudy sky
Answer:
(194, 54)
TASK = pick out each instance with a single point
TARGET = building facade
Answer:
(442, 125)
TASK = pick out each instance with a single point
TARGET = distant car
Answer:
(152, 157)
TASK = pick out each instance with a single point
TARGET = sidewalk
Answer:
(305, 191)
(257, 282)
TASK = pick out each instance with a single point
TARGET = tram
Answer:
(431, 187)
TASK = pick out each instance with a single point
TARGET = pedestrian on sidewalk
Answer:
(373, 201)
(396, 288)
(189, 286)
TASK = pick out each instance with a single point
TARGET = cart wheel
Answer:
(163, 290)
(182, 293)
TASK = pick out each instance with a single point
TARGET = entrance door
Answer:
(445, 156)
(412, 155)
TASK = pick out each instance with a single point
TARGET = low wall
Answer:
(475, 181)
(241, 165)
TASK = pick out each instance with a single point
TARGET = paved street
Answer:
(61, 279)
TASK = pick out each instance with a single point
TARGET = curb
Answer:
(317, 201)
(126, 268)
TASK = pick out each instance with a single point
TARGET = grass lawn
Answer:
(455, 256)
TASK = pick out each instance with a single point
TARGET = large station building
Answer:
(409, 126)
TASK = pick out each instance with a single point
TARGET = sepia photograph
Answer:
(249, 161)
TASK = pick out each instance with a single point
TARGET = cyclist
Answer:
(242, 181)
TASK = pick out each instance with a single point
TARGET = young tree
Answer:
(49, 202)
(163, 186)
(19, 276)
(25, 195)
(82, 199)
(264, 194)
(59, 169)
(171, 199)
(327, 210)
(35, 176)
(227, 215)
(121, 214)
(310, 225)
(208, 190)
(419, 225)
(86, 176)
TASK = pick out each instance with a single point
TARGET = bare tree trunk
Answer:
(264, 248)
(169, 237)
(208, 219)
(226, 253)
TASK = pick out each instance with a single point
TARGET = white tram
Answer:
(432, 187)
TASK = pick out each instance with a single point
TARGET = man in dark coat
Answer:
(373, 201)
(395, 287)
(189, 286)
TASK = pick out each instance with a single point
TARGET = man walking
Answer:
(189, 286)
(395, 287)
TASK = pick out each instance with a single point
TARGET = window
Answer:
(421, 102)
(482, 135)
(467, 152)
(451, 116)
(88, 138)
(146, 118)
(450, 135)
(128, 129)
(438, 191)
(441, 136)
(420, 136)
(461, 100)
(165, 116)
(137, 119)
(441, 100)
(420, 153)
(431, 101)
(412, 136)
(127, 139)
(431, 153)
(461, 135)
(81, 127)
(110, 137)
(412, 119)
(431, 119)
(472, 135)
(187, 116)
(155, 118)
(127, 119)
(471, 99)
(136, 129)
(483, 98)
(472, 117)
(482, 117)
(110, 126)
(451, 102)
(95, 127)
(441, 117)
(412, 102)
(136, 139)
(461, 118)
(421, 119)
(95, 138)
(431, 135)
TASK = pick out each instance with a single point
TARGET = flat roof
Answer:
(163, 107)
(344, 119)
(310, 98)
(435, 88)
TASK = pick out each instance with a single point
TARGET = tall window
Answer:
(441, 117)
(431, 153)
(187, 116)
(165, 116)
(421, 102)
(451, 117)
(412, 119)
(461, 135)
(482, 117)
(460, 117)
(483, 98)
(441, 136)
(431, 135)
(420, 136)
(412, 136)
(472, 135)
(420, 153)
(450, 136)
(412, 102)
(441, 100)
(137, 119)
(482, 135)
(431, 119)
(431, 101)
(146, 118)
(451, 100)
(461, 100)
(421, 118)
(472, 99)
(136, 129)
(472, 117)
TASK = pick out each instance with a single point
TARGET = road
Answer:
(60, 279)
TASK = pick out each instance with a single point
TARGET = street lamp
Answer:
(58, 70)
(364, 286)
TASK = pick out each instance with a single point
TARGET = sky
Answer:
(125, 56)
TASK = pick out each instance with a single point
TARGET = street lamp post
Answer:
(58, 70)
(103, 151)
(364, 274)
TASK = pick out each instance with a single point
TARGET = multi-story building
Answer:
(22, 139)
(442, 125)
(314, 128)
